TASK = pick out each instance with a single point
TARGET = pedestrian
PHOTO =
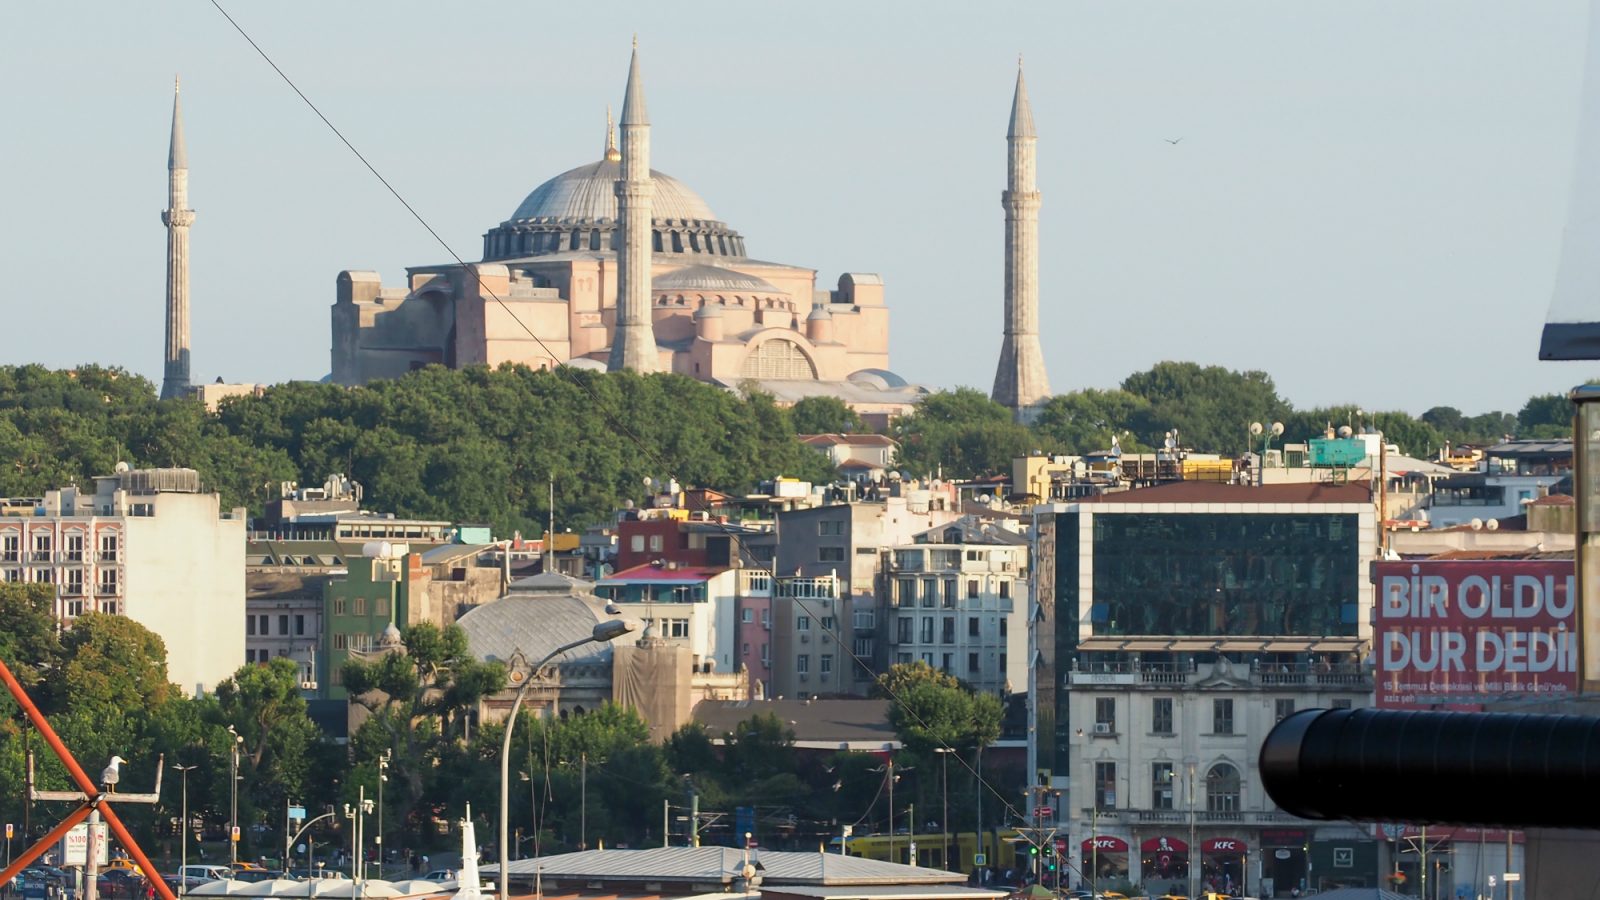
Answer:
(424, 862)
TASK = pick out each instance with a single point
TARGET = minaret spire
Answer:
(633, 341)
(612, 153)
(177, 217)
(1020, 381)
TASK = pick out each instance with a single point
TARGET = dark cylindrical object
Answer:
(1447, 768)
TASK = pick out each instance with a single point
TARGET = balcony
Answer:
(106, 589)
(41, 556)
(1178, 675)
(107, 556)
(1239, 817)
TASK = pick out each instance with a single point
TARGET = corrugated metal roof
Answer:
(885, 891)
(813, 721)
(722, 864)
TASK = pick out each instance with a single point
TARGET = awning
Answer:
(1164, 845)
(1104, 844)
(1146, 645)
(1224, 845)
(1191, 645)
(1288, 646)
(1337, 645)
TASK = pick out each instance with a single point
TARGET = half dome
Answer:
(711, 280)
(589, 193)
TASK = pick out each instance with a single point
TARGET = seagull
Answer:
(112, 773)
(1173, 140)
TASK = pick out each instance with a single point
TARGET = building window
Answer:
(75, 547)
(359, 607)
(927, 629)
(949, 663)
(865, 619)
(802, 623)
(338, 675)
(1341, 704)
(108, 547)
(903, 630)
(862, 647)
(108, 581)
(283, 624)
(1105, 715)
(972, 663)
(45, 576)
(636, 543)
(826, 663)
(1161, 785)
(902, 659)
(950, 593)
(656, 543)
(339, 606)
(747, 615)
(1005, 589)
(828, 623)
(1222, 717)
(265, 620)
(947, 630)
(972, 588)
(74, 585)
(766, 654)
(802, 663)
(1105, 785)
(250, 626)
(1003, 628)
(41, 547)
(11, 548)
(830, 529)
(1161, 715)
(380, 605)
(1222, 788)
(830, 554)
(927, 660)
(299, 626)
(972, 626)
(678, 628)
(341, 641)
(13, 574)
(1283, 709)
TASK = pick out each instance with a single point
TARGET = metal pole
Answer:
(1509, 892)
(183, 834)
(694, 820)
(583, 790)
(233, 816)
(944, 817)
(889, 769)
(1194, 871)
(1094, 845)
(666, 823)
(383, 775)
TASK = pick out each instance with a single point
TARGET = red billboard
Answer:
(1455, 633)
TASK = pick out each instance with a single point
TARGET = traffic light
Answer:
(1033, 849)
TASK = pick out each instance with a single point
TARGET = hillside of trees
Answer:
(481, 445)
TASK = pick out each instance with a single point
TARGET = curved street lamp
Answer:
(609, 630)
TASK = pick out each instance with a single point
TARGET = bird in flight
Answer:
(1173, 140)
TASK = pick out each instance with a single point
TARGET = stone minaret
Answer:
(177, 217)
(1020, 382)
(633, 343)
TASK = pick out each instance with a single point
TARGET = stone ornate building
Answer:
(614, 241)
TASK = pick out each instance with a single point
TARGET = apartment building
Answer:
(149, 544)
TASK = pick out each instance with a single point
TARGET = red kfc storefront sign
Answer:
(1104, 844)
(1224, 845)
(1455, 633)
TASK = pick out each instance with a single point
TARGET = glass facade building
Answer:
(1225, 574)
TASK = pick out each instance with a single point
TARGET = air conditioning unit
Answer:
(308, 685)
(1102, 728)
(805, 638)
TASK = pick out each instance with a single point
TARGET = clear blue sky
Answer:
(1367, 201)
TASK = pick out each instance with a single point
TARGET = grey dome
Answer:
(711, 279)
(819, 313)
(589, 193)
(534, 624)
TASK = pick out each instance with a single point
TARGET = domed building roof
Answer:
(711, 280)
(533, 623)
(589, 193)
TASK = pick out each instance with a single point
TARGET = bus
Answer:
(1000, 849)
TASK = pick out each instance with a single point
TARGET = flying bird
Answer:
(112, 773)
(1173, 140)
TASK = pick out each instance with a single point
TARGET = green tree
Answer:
(1210, 407)
(263, 705)
(1545, 416)
(961, 434)
(824, 415)
(1084, 421)
(933, 709)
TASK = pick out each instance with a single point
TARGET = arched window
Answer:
(1222, 788)
(778, 359)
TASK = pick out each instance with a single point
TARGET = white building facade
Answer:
(148, 544)
(959, 607)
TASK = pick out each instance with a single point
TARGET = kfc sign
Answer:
(1450, 633)
(1104, 844)
(1224, 845)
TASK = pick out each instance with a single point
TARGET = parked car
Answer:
(243, 866)
(440, 875)
(122, 883)
(254, 875)
(202, 874)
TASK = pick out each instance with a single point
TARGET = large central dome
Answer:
(589, 192)
(576, 212)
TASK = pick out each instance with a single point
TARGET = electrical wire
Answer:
(621, 428)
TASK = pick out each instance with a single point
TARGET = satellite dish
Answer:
(1344, 431)
(1492, 525)
(1477, 524)
(121, 467)
(1256, 429)
(1277, 429)
(649, 482)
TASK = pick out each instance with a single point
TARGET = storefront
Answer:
(1283, 861)
(1106, 857)
(1164, 864)
(1222, 866)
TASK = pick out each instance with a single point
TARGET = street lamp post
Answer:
(183, 836)
(611, 629)
(233, 785)
(944, 816)
(1194, 870)
(357, 815)
(383, 776)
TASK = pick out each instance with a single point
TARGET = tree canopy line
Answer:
(103, 684)
(482, 445)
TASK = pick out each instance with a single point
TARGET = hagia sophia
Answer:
(613, 265)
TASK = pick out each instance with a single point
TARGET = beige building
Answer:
(710, 310)
(149, 544)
